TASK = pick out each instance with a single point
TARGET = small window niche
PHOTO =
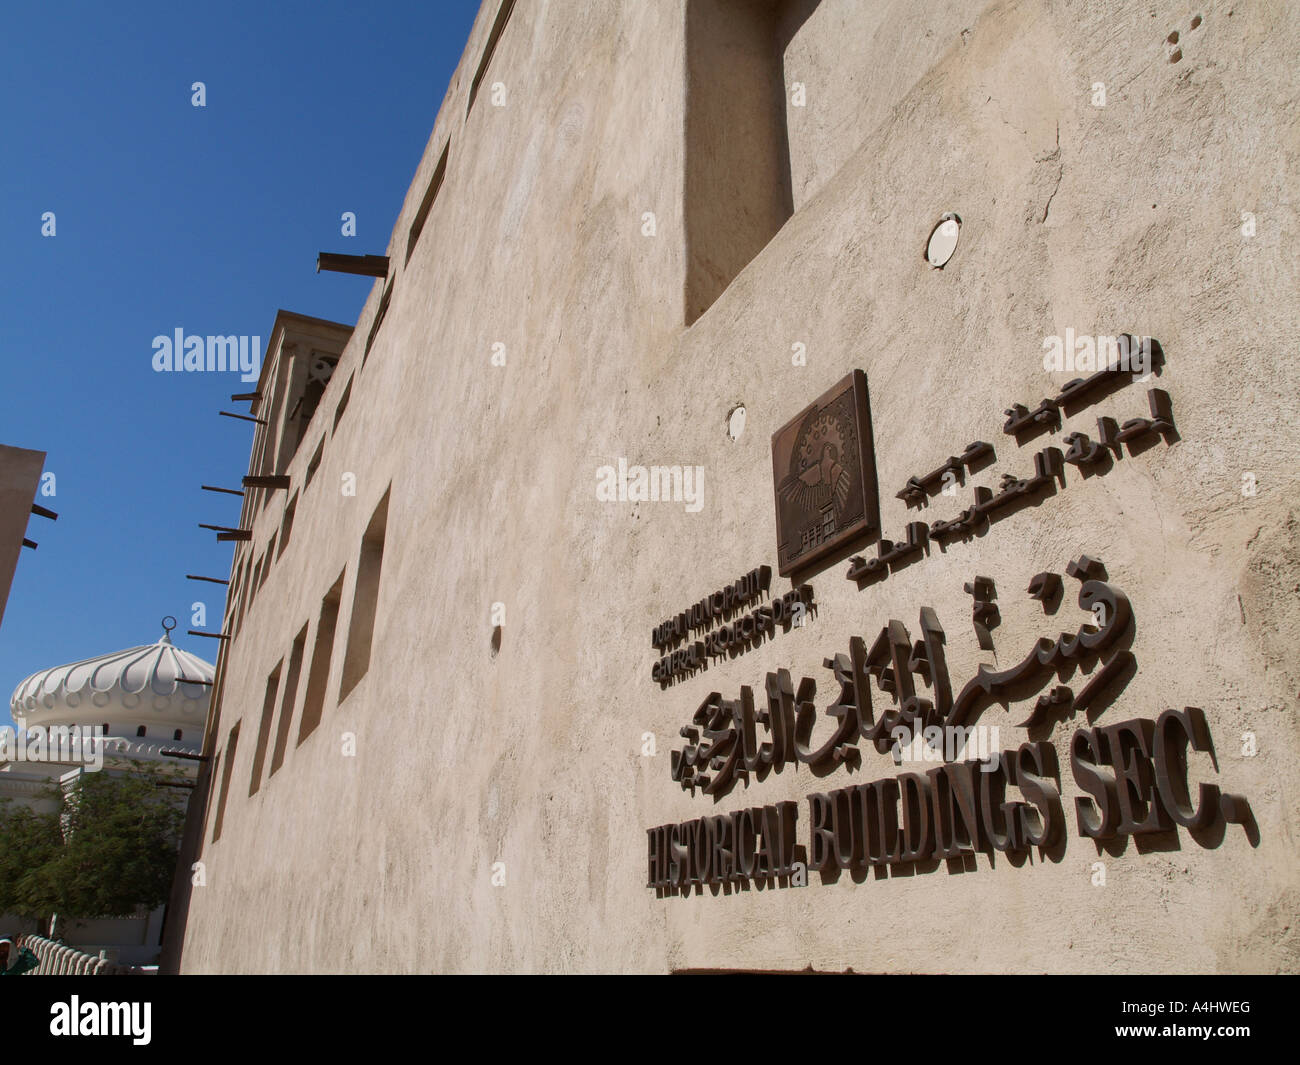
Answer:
(494, 35)
(255, 585)
(431, 194)
(322, 654)
(286, 525)
(343, 404)
(269, 562)
(365, 600)
(737, 151)
(290, 695)
(264, 728)
(229, 759)
(379, 320)
(314, 464)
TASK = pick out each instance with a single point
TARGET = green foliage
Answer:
(28, 841)
(117, 849)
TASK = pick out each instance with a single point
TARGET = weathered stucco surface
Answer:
(1103, 219)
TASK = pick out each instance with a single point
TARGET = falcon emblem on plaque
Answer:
(824, 474)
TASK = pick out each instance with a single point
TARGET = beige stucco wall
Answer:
(1104, 219)
(20, 476)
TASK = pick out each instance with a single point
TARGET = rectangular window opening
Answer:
(343, 403)
(322, 654)
(290, 694)
(431, 194)
(256, 584)
(737, 188)
(286, 525)
(225, 780)
(361, 627)
(218, 760)
(231, 623)
(270, 561)
(379, 320)
(503, 16)
(264, 729)
(314, 464)
(243, 593)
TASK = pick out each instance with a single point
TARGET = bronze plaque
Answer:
(824, 475)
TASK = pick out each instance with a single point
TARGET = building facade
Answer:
(587, 584)
(20, 477)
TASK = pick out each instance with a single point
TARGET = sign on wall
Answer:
(895, 694)
(824, 472)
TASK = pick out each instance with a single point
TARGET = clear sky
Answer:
(168, 216)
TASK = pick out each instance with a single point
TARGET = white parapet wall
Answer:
(59, 960)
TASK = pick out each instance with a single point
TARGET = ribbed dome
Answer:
(141, 685)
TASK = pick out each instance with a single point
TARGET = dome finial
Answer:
(167, 629)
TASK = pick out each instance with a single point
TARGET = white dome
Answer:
(139, 686)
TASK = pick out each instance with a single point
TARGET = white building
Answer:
(148, 701)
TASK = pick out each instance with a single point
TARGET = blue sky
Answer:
(169, 215)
